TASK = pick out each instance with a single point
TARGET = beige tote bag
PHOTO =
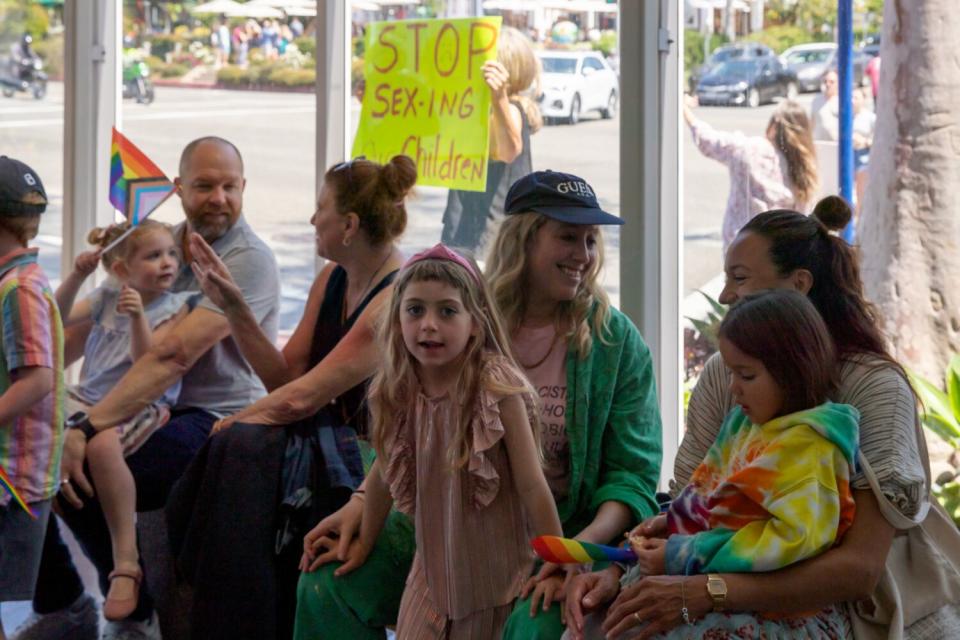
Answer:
(922, 572)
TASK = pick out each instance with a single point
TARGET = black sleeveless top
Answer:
(330, 329)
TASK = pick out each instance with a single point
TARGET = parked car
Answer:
(748, 82)
(811, 61)
(735, 51)
(574, 82)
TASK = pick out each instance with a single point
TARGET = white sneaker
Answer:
(132, 630)
(79, 621)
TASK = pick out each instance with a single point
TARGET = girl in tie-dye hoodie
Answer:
(775, 486)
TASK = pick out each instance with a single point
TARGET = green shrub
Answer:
(201, 35)
(782, 37)
(18, 17)
(293, 77)
(693, 47)
(161, 44)
(231, 76)
(307, 45)
(940, 415)
(260, 73)
(607, 44)
(50, 51)
(172, 70)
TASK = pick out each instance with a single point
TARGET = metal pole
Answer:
(845, 78)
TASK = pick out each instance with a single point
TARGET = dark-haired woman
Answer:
(239, 515)
(785, 249)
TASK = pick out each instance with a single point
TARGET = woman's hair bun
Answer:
(398, 176)
(833, 212)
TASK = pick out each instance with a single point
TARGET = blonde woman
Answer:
(775, 171)
(600, 424)
(514, 117)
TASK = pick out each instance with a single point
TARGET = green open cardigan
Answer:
(613, 427)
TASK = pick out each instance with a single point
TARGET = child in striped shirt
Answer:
(31, 384)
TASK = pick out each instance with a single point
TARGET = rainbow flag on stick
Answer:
(137, 185)
(5, 481)
(568, 551)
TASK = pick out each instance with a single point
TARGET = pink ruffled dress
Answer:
(473, 546)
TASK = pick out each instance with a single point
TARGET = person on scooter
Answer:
(21, 57)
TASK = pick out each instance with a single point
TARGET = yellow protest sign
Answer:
(425, 97)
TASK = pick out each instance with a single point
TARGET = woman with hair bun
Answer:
(776, 170)
(784, 249)
(274, 469)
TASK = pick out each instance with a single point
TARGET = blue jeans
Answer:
(156, 466)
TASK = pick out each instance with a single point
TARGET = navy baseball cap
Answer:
(561, 196)
(16, 181)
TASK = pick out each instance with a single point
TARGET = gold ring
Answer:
(636, 615)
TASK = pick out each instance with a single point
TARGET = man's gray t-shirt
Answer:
(221, 381)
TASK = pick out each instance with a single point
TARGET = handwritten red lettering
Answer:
(380, 99)
(447, 28)
(474, 27)
(416, 27)
(389, 45)
(466, 108)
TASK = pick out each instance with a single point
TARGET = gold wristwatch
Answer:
(717, 588)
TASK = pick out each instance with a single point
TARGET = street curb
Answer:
(206, 85)
(185, 85)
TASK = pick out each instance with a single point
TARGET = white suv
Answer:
(577, 81)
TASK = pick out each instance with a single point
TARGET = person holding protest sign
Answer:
(515, 116)
(600, 420)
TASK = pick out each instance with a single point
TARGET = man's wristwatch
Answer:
(81, 422)
(717, 588)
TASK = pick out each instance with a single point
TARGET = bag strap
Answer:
(887, 508)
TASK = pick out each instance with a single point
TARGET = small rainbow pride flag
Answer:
(568, 551)
(5, 481)
(137, 185)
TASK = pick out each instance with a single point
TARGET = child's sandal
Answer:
(120, 608)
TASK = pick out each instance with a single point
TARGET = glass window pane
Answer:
(31, 108)
(248, 80)
(562, 40)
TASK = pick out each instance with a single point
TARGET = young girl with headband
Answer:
(456, 433)
(124, 321)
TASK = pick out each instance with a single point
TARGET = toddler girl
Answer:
(124, 321)
(774, 488)
(455, 428)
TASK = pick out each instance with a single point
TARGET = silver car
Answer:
(574, 82)
(811, 61)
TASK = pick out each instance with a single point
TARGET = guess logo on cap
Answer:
(29, 179)
(575, 187)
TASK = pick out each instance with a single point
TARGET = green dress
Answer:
(615, 449)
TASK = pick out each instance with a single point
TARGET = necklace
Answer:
(553, 343)
(367, 288)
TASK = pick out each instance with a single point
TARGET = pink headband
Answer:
(442, 252)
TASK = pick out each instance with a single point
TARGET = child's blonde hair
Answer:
(393, 386)
(578, 319)
(515, 53)
(103, 236)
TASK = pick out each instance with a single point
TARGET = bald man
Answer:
(217, 381)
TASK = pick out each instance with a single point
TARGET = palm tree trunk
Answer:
(910, 222)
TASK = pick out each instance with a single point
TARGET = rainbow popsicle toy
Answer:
(568, 551)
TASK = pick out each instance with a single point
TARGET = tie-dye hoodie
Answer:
(766, 496)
